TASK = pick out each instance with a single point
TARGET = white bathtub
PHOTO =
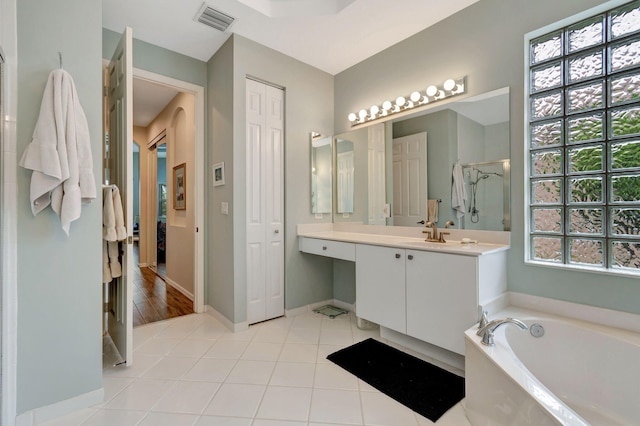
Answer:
(578, 373)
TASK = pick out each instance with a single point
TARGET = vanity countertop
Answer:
(452, 246)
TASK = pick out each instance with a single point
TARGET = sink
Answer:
(430, 245)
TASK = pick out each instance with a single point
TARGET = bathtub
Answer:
(577, 373)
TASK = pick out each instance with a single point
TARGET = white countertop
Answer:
(405, 242)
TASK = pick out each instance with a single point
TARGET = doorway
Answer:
(166, 278)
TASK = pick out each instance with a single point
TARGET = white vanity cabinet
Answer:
(442, 297)
(380, 286)
(428, 295)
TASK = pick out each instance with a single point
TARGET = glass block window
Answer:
(583, 145)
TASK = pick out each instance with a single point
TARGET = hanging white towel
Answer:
(432, 210)
(113, 230)
(60, 153)
(458, 191)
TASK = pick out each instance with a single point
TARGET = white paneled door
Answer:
(265, 202)
(120, 160)
(410, 179)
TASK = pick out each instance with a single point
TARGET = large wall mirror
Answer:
(321, 174)
(400, 172)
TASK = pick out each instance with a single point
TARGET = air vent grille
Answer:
(214, 18)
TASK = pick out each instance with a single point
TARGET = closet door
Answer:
(265, 202)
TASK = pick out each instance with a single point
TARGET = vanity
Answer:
(381, 183)
(429, 291)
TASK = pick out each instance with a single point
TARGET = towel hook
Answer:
(60, 58)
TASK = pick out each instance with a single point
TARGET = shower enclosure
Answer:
(487, 186)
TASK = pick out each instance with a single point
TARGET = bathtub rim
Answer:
(505, 359)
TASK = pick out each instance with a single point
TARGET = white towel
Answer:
(458, 191)
(60, 153)
(432, 210)
(113, 230)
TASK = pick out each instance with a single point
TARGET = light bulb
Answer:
(386, 105)
(432, 90)
(362, 114)
(400, 100)
(415, 96)
(352, 117)
(374, 109)
(449, 85)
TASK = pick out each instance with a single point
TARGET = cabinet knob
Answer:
(277, 231)
(324, 247)
(410, 257)
(397, 255)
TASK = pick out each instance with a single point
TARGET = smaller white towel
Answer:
(432, 210)
(458, 191)
(113, 230)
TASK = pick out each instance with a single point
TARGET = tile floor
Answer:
(191, 370)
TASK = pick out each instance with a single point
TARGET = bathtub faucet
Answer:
(487, 331)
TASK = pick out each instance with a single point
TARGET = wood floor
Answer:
(154, 300)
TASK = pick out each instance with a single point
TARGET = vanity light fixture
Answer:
(433, 93)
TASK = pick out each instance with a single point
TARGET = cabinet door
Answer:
(442, 297)
(380, 286)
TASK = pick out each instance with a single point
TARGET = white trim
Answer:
(200, 182)
(178, 287)
(235, 327)
(61, 408)
(9, 225)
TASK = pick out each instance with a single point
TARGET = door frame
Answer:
(200, 180)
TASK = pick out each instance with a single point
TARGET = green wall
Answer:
(308, 106)
(59, 277)
(157, 59)
(485, 42)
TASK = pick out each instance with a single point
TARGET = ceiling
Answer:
(331, 35)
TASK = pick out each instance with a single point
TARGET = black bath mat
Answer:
(426, 389)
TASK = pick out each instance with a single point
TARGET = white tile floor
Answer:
(192, 371)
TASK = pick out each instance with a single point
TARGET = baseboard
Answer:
(436, 355)
(178, 287)
(143, 265)
(234, 327)
(61, 408)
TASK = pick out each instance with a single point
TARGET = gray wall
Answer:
(157, 59)
(485, 42)
(59, 339)
(308, 106)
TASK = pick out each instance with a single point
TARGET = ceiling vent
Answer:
(214, 18)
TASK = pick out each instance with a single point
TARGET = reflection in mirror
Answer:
(473, 131)
(345, 176)
(321, 158)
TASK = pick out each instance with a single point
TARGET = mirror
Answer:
(321, 158)
(418, 184)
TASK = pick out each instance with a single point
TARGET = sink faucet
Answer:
(434, 237)
(487, 331)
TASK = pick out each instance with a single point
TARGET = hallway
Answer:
(153, 299)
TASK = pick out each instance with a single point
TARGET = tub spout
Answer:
(487, 331)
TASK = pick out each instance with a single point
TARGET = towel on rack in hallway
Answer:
(458, 191)
(432, 210)
(113, 230)
(60, 153)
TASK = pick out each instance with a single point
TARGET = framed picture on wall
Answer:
(218, 174)
(180, 187)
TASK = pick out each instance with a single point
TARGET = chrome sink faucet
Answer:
(487, 331)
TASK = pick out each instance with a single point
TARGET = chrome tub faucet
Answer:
(487, 331)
